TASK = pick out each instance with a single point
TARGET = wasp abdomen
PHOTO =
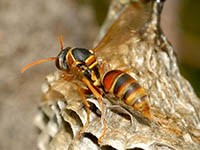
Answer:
(125, 87)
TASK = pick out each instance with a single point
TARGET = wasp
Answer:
(82, 65)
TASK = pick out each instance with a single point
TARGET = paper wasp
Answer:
(82, 65)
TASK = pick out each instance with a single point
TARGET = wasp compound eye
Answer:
(61, 62)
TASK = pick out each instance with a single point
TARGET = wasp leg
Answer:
(67, 76)
(103, 67)
(81, 92)
(99, 98)
(125, 111)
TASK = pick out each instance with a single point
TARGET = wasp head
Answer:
(61, 62)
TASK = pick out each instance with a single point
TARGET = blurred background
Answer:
(29, 31)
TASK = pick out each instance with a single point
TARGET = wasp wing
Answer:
(112, 47)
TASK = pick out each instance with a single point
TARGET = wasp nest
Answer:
(143, 49)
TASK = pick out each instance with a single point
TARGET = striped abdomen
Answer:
(125, 87)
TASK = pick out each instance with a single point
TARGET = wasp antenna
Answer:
(60, 41)
(36, 63)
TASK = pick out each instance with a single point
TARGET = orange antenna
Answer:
(36, 63)
(60, 41)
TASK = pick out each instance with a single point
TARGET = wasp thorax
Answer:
(61, 62)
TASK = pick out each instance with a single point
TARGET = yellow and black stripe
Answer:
(82, 59)
(126, 88)
(83, 56)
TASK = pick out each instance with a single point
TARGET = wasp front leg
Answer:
(82, 92)
(98, 95)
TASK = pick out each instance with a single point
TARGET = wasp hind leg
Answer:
(103, 120)
(99, 98)
(104, 67)
(82, 92)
